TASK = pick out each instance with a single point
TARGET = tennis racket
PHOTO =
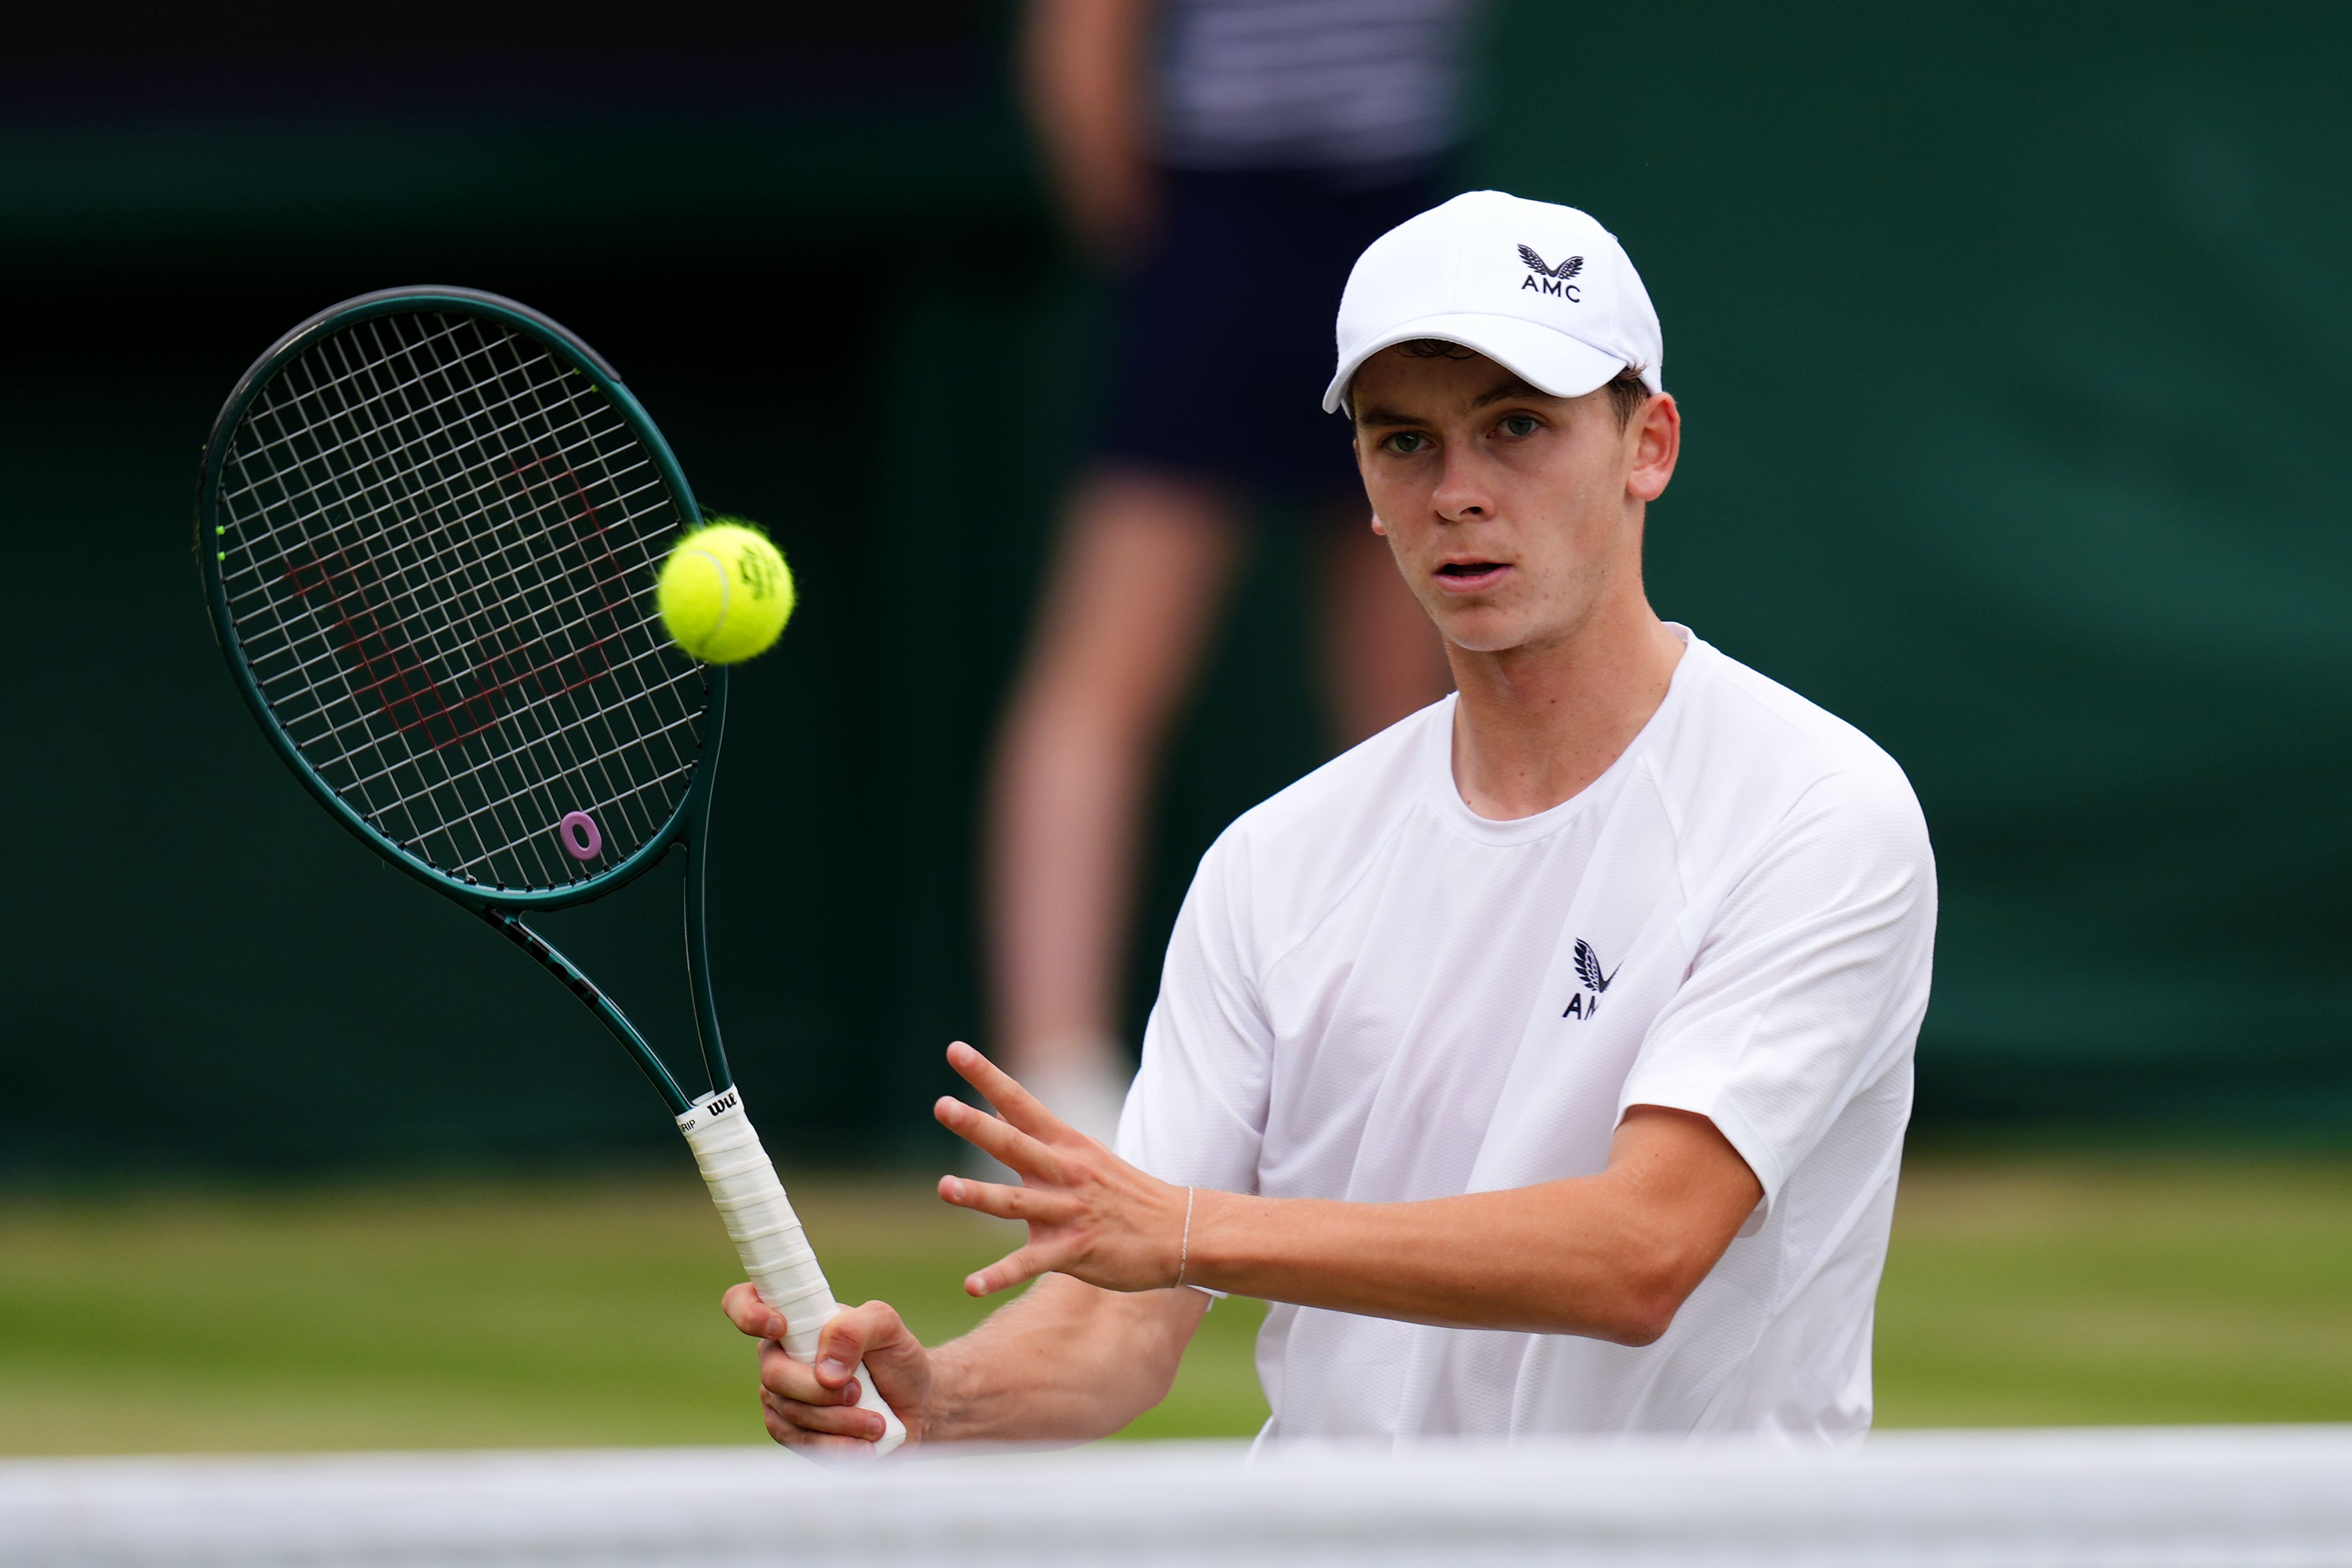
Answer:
(430, 521)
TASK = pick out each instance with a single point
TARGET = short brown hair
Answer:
(1626, 392)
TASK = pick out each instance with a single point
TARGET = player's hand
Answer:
(815, 1406)
(1090, 1214)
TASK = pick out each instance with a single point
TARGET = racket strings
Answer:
(470, 572)
(440, 542)
(455, 726)
(442, 726)
(337, 466)
(325, 650)
(426, 585)
(258, 454)
(380, 656)
(479, 493)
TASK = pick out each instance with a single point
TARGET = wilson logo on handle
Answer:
(711, 1110)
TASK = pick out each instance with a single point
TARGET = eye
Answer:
(1405, 443)
(1516, 426)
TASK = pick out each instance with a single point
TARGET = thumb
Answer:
(873, 1332)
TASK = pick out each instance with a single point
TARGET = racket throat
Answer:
(511, 927)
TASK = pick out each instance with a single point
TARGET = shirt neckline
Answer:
(1446, 796)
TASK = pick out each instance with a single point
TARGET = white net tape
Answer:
(2245, 1498)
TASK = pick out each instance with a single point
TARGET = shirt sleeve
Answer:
(1197, 1113)
(1809, 980)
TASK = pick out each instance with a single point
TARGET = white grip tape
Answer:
(768, 1236)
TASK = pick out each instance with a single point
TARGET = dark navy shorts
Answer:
(1223, 335)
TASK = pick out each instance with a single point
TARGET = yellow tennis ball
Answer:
(724, 592)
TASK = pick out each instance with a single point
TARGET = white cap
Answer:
(1542, 290)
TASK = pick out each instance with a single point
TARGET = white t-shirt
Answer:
(1375, 994)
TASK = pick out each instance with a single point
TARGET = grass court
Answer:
(2022, 1290)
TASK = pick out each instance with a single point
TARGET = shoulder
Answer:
(1750, 760)
(1295, 855)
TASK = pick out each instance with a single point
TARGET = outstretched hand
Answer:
(1090, 1214)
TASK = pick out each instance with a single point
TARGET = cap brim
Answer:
(1548, 361)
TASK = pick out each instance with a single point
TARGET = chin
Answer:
(1484, 632)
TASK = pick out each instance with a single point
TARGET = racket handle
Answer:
(768, 1237)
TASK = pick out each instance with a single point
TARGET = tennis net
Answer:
(2229, 1498)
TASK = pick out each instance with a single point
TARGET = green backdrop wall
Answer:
(2015, 355)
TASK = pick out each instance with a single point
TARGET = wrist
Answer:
(1184, 1238)
(1208, 1244)
(946, 1412)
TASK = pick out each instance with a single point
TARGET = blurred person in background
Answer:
(1229, 158)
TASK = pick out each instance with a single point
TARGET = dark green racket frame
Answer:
(688, 825)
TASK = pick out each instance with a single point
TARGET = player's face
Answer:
(1515, 516)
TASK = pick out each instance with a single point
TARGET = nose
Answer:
(1463, 493)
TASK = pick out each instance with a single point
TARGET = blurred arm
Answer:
(1083, 75)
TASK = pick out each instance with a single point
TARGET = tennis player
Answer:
(1546, 1059)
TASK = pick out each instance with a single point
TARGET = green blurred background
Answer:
(2015, 352)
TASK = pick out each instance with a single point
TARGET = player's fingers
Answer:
(992, 1135)
(779, 1416)
(827, 1420)
(747, 1311)
(854, 1334)
(1011, 1270)
(1020, 1107)
(782, 1375)
(1030, 1204)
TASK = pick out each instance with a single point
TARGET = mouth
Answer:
(1471, 576)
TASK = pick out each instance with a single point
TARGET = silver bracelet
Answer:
(1184, 1250)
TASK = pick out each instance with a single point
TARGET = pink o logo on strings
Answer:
(577, 832)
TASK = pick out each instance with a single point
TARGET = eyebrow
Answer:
(1507, 388)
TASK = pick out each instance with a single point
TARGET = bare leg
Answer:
(1382, 657)
(1134, 591)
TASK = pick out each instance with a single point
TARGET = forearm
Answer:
(1602, 1255)
(1490, 1261)
(1611, 1256)
(1082, 65)
(1066, 1363)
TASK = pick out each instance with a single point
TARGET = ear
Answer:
(1378, 527)
(1655, 434)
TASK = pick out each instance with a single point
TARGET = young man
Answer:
(1544, 1059)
